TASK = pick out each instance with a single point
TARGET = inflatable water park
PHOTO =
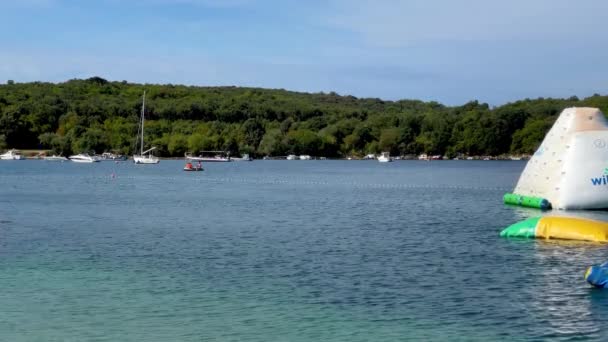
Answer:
(570, 168)
(569, 171)
(556, 227)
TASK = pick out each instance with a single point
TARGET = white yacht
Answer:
(292, 157)
(55, 158)
(385, 157)
(305, 157)
(84, 158)
(11, 155)
(144, 157)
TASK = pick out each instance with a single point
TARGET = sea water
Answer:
(283, 251)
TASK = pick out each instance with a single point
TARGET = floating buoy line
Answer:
(293, 182)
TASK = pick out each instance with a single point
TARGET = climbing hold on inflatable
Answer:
(570, 168)
(598, 275)
(552, 227)
(527, 201)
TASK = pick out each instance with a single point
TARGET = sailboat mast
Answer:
(143, 108)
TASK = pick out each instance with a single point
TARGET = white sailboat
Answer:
(144, 157)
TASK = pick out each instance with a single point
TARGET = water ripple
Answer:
(276, 251)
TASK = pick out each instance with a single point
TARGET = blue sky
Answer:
(442, 50)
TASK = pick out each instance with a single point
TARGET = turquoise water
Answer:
(283, 251)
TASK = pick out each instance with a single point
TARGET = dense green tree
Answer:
(3, 144)
(253, 132)
(303, 141)
(529, 138)
(271, 143)
(58, 144)
(286, 125)
(389, 140)
(93, 139)
(99, 115)
(178, 144)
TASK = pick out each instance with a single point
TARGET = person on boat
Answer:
(188, 165)
(199, 165)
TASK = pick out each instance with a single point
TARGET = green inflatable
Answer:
(526, 201)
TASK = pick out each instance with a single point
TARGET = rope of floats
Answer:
(287, 182)
(292, 182)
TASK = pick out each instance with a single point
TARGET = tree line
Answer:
(95, 115)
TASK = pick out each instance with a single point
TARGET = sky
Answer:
(440, 50)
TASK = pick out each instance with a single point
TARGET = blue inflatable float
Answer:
(598, 275)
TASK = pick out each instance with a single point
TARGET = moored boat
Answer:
(144, 157)
(245, 157)
(108, 156)
(385, 157)
(55, 158)
(11, 155)
(217, 157)
(84, 158)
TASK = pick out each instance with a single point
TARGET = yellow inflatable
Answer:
(555, 227)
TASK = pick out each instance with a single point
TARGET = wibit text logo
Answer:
(603, 180)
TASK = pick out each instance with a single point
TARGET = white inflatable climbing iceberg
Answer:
(570, 168)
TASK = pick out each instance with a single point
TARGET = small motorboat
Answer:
(245, 157)
(190, 167)
(84, 158)
(11, 155)
(385, 157)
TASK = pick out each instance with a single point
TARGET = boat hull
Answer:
(83, 158)
(113, 159)
(84, 161)
(209, 159)
(56, 159)
(145, 160)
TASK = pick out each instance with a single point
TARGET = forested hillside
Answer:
(97, 115)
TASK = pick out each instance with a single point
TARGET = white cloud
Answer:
(394, 23)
